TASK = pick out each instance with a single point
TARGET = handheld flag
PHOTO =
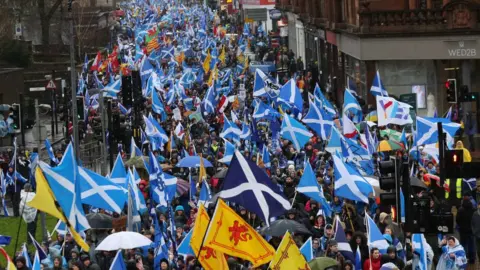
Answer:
(307, 249)
(231, 234)
(288, 255)
(349, 183)
(49, 148)
(343, 245)
(374, 236)
(209, 258)
(308, 186)
(295, 132)
(185, 248)
(248, 185)
(118, 263)
(377, 88)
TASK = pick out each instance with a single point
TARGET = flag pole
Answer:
(19, 224)
(294, 197)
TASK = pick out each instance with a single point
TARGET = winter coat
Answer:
(376, 264)
(476, 224)
(464, 217)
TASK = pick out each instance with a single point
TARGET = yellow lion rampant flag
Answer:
(232, 235)
(288, 256)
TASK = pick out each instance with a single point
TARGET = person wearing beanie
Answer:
(383, 221)
(326, 237)
(180, 217)
(89, 265)
(74, 257)
(391, 257)
(332, 252)
(20, 263)
(57, 264)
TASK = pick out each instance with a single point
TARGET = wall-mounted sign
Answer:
(275, 14)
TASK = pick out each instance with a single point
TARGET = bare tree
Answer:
(46, 14)
(86, 24)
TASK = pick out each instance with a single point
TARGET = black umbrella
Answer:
(221, 174)
(415, 182)
(99, 221)
(280, 226)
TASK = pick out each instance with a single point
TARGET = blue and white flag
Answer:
(374, 236)
(50, 153)
(28, 263)
(295, 132)
(60, 228)
(118, 175)
(309, 186)
(351, 106)
(349, 183)
(264, 111)
(377, 88)
(322, 101)
(249, 186)
(321, 122)
(343, 245)
(205, 194)
(246, 132)
(112, 88)
(146, 70)
(3, 185)
(184, 248)
(419, 247)
(230, 130)
(402, 206)
(209, 102)
(229, 151)
(137, 197)
(358, 259)
(63, 181)
(36, 262)
(41, 253)
(266, 157)
(335, 141)
(118, 263)
(307, 249)
(134, 150)
(161, 248)
(101, 192)
(124, 110)
(291, 96)
(427, 130)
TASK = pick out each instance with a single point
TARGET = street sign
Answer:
(37, 89)
(51, 85)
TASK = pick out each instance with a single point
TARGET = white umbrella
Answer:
(123, 240)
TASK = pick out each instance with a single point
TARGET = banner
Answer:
(391, 111)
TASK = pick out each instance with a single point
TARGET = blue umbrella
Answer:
(193, 161)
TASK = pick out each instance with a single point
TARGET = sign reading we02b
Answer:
(462, 51)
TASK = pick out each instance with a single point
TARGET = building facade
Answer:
(416, 45)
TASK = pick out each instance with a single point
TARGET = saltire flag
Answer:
(134, 150)
(209, 102)
(343, 245)
(295, 132)
(318, 120)
(307, 249)
(374, 236)
(288, 256)
(228, 155)
(41, 253)
(322, 101)
(28, 263)
(118, 263)
(118, 175)
(230, 130)
(427, 130)
(248, 185)
(349, 183)
(64, 184)
(185, 248)
(309, 186)
(291, 96)
(351, 106)
(419, 247)
(205, 194)
(209, 258)
(101, 192)
(226, 233)
(36, 262)
(377, 88)
(266, 157)
(124, 110)
(50, 153)
(264, 111)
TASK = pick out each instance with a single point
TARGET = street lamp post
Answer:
(102, 119)
(73, 83)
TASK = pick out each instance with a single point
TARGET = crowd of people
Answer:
(203, 136)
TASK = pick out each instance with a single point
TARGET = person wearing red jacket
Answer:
(374, 262)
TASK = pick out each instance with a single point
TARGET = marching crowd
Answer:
(285, 166)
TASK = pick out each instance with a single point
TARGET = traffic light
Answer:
(463, 94)
(451, 87)
(80, 108)
(127, 91)
(16, 115)
(388, 182)
(453, 163)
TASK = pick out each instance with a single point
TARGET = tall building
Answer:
(416, 45)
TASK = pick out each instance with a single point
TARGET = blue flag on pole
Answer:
(307, 249)
(249, 186)
(308, 186)
(295, 132)
(118, 263)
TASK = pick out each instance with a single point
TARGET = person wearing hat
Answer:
(179, 216)
(391, 257)
(332, 252)
(74, 257)
(327, 236)
(89, 265)
(383, 221)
